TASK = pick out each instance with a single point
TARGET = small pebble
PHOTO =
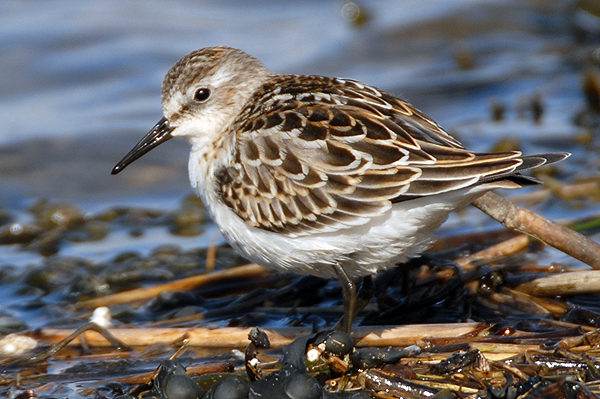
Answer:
(102, 317)
(16, 345)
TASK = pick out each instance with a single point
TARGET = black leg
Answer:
(349, 289)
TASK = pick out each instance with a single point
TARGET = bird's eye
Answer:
(202, 94)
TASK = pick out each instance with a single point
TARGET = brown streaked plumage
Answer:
(333, 153)
(323, 175)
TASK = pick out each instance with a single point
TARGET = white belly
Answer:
(403, 232)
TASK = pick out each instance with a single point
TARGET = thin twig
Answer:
(496, 252)
(572, 283)
(425, 335)
(104, 332)
(562, 238)
(183, 284)
(237, 337)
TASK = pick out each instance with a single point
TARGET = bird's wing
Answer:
(328, 156)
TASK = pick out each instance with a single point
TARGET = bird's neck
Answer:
(206, 158)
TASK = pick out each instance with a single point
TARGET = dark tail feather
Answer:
(534, 161)
(529, 162)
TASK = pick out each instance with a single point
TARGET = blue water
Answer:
(71, 68)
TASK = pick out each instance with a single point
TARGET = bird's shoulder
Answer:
(309, 102)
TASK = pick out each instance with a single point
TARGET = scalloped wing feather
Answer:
(325, 154)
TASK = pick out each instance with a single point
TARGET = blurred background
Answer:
(80, 82)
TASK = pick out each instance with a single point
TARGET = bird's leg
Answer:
(349, 290)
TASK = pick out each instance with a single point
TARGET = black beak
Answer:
(160, 133)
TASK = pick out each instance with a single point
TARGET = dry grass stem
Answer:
(211, 255)
(556, 308)
(234, 337)
(188, 283)
(496, 252)
(571, 283)
(562, 238)
(488, 255)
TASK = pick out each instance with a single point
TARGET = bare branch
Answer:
(522, 220)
